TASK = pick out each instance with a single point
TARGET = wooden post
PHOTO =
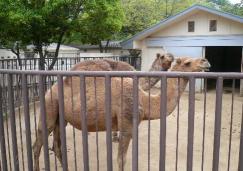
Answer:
(241, 81)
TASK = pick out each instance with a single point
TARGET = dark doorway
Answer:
(224, 59)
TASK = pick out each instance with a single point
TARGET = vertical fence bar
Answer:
(191, 113)
(163, 113)
(240, 164)
(18, 101)
(84, 123)
(13, 122)
(74, 133)
(231, 123)
(177, 124)
(51, 92)
(108, 122)
(122, 117)
(2, 136)
(217, 123)
(43, 122)
(204, 121)
(27, 122)
(96, 126)
(62, 122)
(149, 123)
(135, 125)
(5, 95)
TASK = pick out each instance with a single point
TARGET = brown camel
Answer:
(162, 62)
(72, 111)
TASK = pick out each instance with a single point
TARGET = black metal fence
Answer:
(203, 132)
(62, 63)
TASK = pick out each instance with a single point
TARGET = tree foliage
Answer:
(100, 21)
(46, 21)
(141, 14)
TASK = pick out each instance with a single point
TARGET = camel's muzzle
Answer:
(205, 66)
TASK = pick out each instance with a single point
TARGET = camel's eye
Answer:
(162, 57)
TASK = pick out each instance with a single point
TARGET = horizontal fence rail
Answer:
(169, 127)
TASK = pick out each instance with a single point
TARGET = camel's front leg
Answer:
(38, 144)
(37, 149)
(51, 119)
(124, 141)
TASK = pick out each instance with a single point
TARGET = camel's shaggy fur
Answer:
(122, 119)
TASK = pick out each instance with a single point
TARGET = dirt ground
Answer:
(154, 139)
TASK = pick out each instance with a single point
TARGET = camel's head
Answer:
(186, 64)
(162, 62)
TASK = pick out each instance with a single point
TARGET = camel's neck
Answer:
(146, 83)
(173, 94)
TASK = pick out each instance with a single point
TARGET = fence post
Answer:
(135, 125)
(84, 123)
(108, 122)
(13, 122)
(2, 136)
(62, 122)
(27, 122)
(217, 123)
(43, 121)
(240, 165)
(191, 116)
(163, 113)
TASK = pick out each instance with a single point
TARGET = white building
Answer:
(196, 32)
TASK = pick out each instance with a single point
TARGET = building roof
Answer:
(52, 47)
(179, 16)
(112, 44)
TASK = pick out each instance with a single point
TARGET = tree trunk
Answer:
(41, 56)
(106, 46)
(54, 60)
(101, 47)
(17, 53)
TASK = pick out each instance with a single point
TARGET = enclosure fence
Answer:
(203, 132)
(62, 63)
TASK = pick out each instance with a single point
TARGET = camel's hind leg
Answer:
(122, 150)
(125, 124)
(38, 144)
(51, 119)
(57, 143)
(124, 139)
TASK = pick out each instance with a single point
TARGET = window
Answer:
(213, 25)
(191, 26)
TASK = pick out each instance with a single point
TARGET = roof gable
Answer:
(178, 16)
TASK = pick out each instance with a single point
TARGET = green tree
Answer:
(141, 14)
(46, 21)
(100, 20)
(40, 23)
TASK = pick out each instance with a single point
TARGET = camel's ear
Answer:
(187, 62)
(169, 55)
(178, 61)
(158, 55)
